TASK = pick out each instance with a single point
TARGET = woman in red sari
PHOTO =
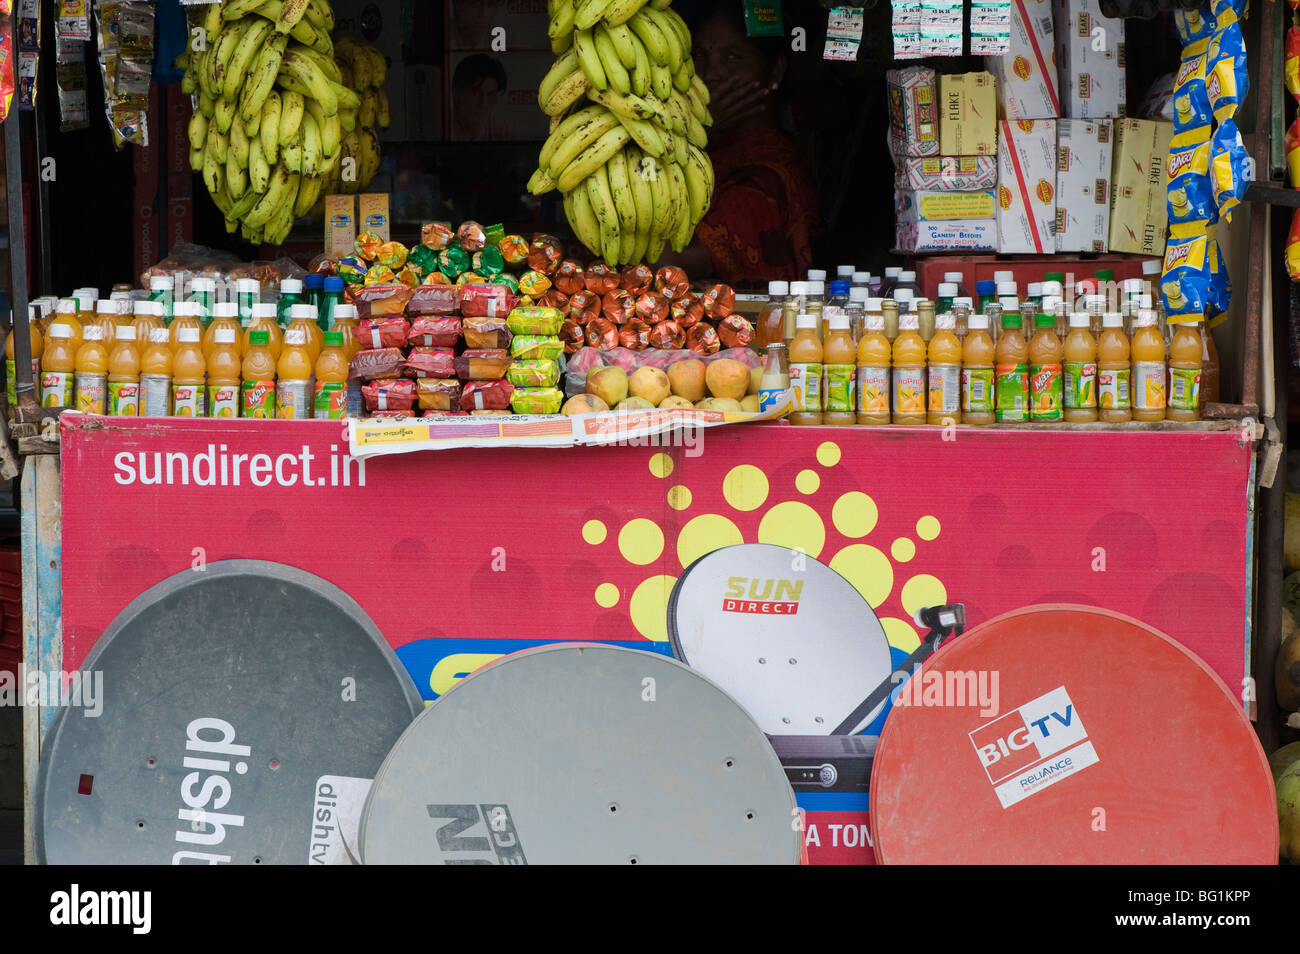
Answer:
(760, 223)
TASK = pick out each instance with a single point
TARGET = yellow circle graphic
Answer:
(867, 569)
(923, 590)
(704, 534)
(828, 454)
(745, 487)
(795, 525)
(808, 481)
(607, 595)
(594, 532)
(648, 607)
(902, 550)
(679, 497)
(661, 465)
(641, 541)
(854, 514)
(900, 634)
(927, 528)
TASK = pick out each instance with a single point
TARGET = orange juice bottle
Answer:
(58, 365)
(331, 399)
(107, 317)
(258, 376)
(91, 390)
(224, 315)
(1148, 353)
(1012, 371)
(225, 374)
(185, 314)
(294, 391)
(1045, 385)
(264, 320)
(346, 323)
(304, 317)
(806, 371)
(840, 375)
(124, 374)
(908, 359)
(977, 357)
(944, 353)
(156, 375)
(11, 374)
(873, 367)
(147, 315)
(68, 312)
(1185, 351)
(85, 299)
(189, 370)
(1114, 395)
(1080, 370)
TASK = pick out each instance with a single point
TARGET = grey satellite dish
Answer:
(581, 754)
(245, 707)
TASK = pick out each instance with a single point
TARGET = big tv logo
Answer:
(1033, 747)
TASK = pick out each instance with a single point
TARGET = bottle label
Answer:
(841, 387)
(188, 400)
(806, 382)
(223, 400)
(1184, 388)
(945, 389)
(767, 398)
(56, 389)
(1113, 389)
(1148, 385)
(155, 395)
(293, 400)
(124, 398)
(873, 390)
(92, 390)
(909, 391)
(1080, 384)
(1045, 392)
(977, 390)
(332, 400)
(354, 399)
(1012, 392)
(259, 399)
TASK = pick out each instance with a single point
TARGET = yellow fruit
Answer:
(727, 378)
(686, 378)
(649, 383)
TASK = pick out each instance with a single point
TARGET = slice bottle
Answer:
(189, 371)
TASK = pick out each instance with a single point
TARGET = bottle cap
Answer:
(1009, 303)
(1006, 288)
(954, 277)
(947, 289)
(963, 301)
(903, 294)
(1080, 319)
(259, 338)
(875, 304)
(861, 278)
(1044, 321)
(817, 288)
(1132, 286)
(778, 289)
(314, 282)
(302, 311)
(798, 288)
(907, 277)
(161, 283)
(344, 311)
(333, 283)
(1011, 319)
(146, 307)
(859, 293)
(893, 271)
(60, 331)
(977, 322)
(225, 309)
(248, 286)
(1058, 277)
(159, 336)
(1050, 304)
(1035, 289)
(204, 285)
(184, 309)
(816, 274)
(1152, 266)
(806, 321)
(124, 333)
(119, 295)
(295, 337)
(91, 333)
(290, 286)
(1105, 274)
(840, 288)
(1053, 288)
(839, 323)
(264, 310)
(333, 339)
(220, 336)
(845, 272)
(106, 306)
(1112, 319)
(1004, 276)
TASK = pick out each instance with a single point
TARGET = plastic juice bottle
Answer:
(313, 287)
(806, 372)
(11, 373)
(1185, 350)
(908, 358)
(225, 375)
(330, 401)
(264, 319)
(294, 390)
(769, 326)
(1034, 294)
(68, 312)
(789, 315)
(862, 280)
(890, 279)
(91, 383)
(944, 352)
(290, 295)
(345, 322)
(1045, 359)
(331, 298)
(1008, 288)
(1012, 370)
(1209, 367)
(124, 374)
(1107, 288)
(189, 371)
(845, 273)
(1148, 353)
(986, 293)
(874, 356)
(258, 377)
(977, 373)
(156, 375)
(815, 304)
(817, 275)
(841, 359)
(1080, 371)
(85, 299)
(224, 315)
(58, 365)
(162, 290)
(185, 314)
(856, 311)
(943, 299)
(1114, 396)
(776, 376)
(961, 312)
(1055, 306)
(907, 279)
(147, 317)
(203, 292)
(956, 278)
(248, 292)
(304, 317)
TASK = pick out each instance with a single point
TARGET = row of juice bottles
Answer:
(961, 373)
(132, 358)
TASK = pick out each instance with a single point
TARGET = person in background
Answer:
(476, 87)
(764, 208)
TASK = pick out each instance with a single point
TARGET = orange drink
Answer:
(944, 353)
(1148, 354)
(1186, 348)
(840, 357)
(1012, 370)
(1114, 395)
(258, 376)
(294, 394)
(806, 371)
(1045, 370)
(58, 366)
(38, 346)
(189, 369)
(331, 398)
(873, 367)
(1080, 370)
(908, 359)
(124, 374)
(225, 372)
(264, 320)
(224, 315)
(156, 375)
(977, 372)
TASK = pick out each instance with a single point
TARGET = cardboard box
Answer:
(913, 116)
(1026, 75)
(1083, 154)
(1090, 61)
(938, 205)
(962, 234)
(948, 173)
(372, 215)
(968, 114)
(1138, 214)
(340, 225)
(1026, 213)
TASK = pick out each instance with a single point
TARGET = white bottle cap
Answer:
(947, 289)
(248, 286)
(806, 321)
(903, 294)
(204, 285)
(60, 331)
(839, 323)
(1152, 266)
(1051, 288)
(1050, 304)
(954, 277)
(1112, 319)
(797, 289)
(290, 286)
(977, 322)
(1005, 289)
(225, 309)
(161, 283)
(875, 304)
(185, 309)
(264, 310)
(963, 301)
(1001, 277)
(85, 299)
(778, 289)
(859, 293)
(817, 288)
(1009, 303)
(344, 311)
(1036, 290)
(861, 278)
(893, 271)
(907, 277)
(119, 296)
(92, 333)
(302, 311)
(66, 306)
(106, 306)
(125, 333)
(844, 271)
(1132, 286)
(220, 336)
(159, 336)
(144, 307)
(816, 274)
(1144, 301)
(1080, 319)
(191, 335)
(1094, 301)
(295, 336)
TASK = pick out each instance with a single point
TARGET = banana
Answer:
(660, 4)
(559, 71)
(366, 115)
(196, 159)
(259, 170)
(681, 235)
(362, 73)
(589, 59)
(249, 46)
(331, 133)
(291, 110)
(326, 64)
(220, 54)
(308, 192)
(291, 152)
(699, 183)
(214, 170)
(212, 21)
(571, 89)
(573, 143)
(698, 109)
(347, 119)
(218, 143)
(562, 19)
(682, 80)
(562, 43)
(610, 62)
(593, 157)
(252, 126)
(273, 199)
(269, 132)
(311, 146)
(370, 155)
(242, 206)
(379, 67)
(235, 9)
(679, 154)
(306, 72)
(198, 130)
(290, 13)
(207, 105)
(661, 81)
(641, 72)
(620, 187)
(629, 105)
(620, 11)
(349, 163)
(700, 89)
(602, 204)
(562, 128)
(656, 44)
(238, 146)
(642, 198)
(224, 114)
(583, 219)
(346, 77)
(646, 135)
(652, 173)
(670, 34)
(695, 133)
(676, 113)
(348, 99)
(236, 178)
(383, 115)
(540, 182)
(625, 43)
(260, 83)
(189, 82)
(320, 15)
(589, 13)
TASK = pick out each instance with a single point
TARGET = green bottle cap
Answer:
(1105, 274)
(259, 337)
(333, 339)
(1044, 321)
(1011, 319)
(1055, 277)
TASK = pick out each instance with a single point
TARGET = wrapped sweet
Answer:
(602, 334)
(435, 236)
(735, 331)
(570, 277)
(651, 307)
(514, 250)
(534, 283)
(719, 301)
(488, 261)
(702, 339)
(619, 306)
(392, 254)
(554, 298)
(367, 246)
(671, 282)
(601, 279)
(637, 279)
(573, 335)
(687, 311)
(667, 336)
(545, 254)
(635, 335)
(471, 236)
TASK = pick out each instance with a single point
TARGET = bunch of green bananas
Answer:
(272, 111)
(364, 70)
(628, 117)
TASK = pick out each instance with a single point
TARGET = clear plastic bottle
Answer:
(305, 317)
(331, 401)
(943, 300)
(958, 279)
(1107, 288)
(908, 359)
(961, 312)
(890, 279)
(924, 309)
(313, 287)
(1185, 349)
(977, 373)
(1008, 290)
(224, 315)
(817, 275)
(156, 375)
(944, 355)
(1045, 371)
(844, 273)
(907, 279)
(862, 280)
(776, 376)
(789, 315)
(769, 327)
(839, 357)
(856, 310)
(330, 299)
(189, 371)
(162, 289)
(248, 292)
(124, 374)
(1012, 359)
(1147, 350)
(816, 303)
(874, 357)
(291, 294)
(1034, 294)
(345, 323)
(203, 292)
(58, 366)
(986, 293)
(1209, 367)
(1114, 372)
(1080, 371)
(91, 383)
(264, 319)
(838, 303)
(806, 372)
